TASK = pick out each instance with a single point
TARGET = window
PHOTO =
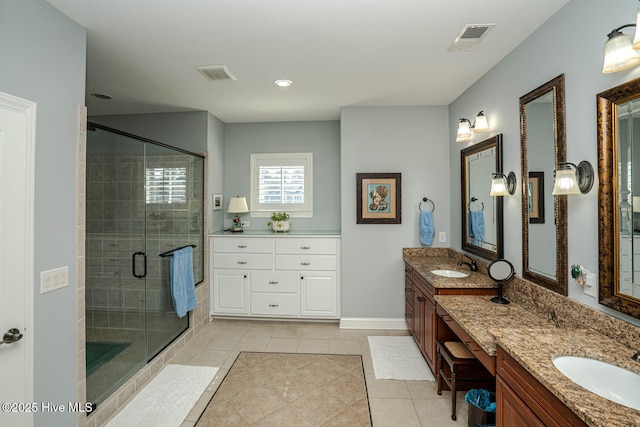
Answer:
(166, 185)
(282, 182)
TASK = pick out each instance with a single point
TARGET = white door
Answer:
(17, 141)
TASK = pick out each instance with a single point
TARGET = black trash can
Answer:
(479, 417)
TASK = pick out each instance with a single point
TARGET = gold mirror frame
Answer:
(560, 285)
(494, 142)
(608, 243)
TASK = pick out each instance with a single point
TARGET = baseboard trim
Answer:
(399, 324)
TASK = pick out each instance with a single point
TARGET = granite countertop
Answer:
(532, 340)
(476, 314)
(425, 264)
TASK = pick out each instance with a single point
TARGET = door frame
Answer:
(28, 108)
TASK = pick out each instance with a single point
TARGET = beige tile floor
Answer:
(392, 403)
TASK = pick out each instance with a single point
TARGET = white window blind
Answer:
(166, 185)
(282, 182)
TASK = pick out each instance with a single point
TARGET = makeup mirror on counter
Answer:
(481, 213)
(619, 197)
(544, 216)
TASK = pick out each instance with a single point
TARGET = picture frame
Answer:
(379, 198)
(535, 195)
(217, 202)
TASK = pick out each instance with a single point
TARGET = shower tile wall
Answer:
(116, 212)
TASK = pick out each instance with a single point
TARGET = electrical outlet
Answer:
(246, 224)
(442, 236)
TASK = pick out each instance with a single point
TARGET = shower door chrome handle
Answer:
(133, 265)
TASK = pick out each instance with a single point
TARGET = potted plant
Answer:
(280, 222)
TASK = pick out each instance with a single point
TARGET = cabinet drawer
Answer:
(307, 246)
(243, 261)
(243, 244)
(274, 281)
(274, 304)
(306, 262)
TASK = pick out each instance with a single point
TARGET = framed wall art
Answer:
(217, 202)
(378, 198)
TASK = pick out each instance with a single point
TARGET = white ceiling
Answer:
(338, 53)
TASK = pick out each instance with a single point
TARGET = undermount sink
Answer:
(449, 273)
(609, 381)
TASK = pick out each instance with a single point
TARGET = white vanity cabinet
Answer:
(287, 276)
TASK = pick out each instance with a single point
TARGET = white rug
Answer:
(398, 358)
(167, 399)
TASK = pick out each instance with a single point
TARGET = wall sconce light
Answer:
(572, 179)
(480, 124)
(502, 185)
(237, 205)
(619, 53)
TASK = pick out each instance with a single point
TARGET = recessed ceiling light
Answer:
(101, 96)
(283, 83)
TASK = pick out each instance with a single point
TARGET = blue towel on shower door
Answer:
(183, 288)
(427, 229)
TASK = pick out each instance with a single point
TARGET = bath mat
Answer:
(285, 389)
(398, 358)
(167, 399)
(100, 352)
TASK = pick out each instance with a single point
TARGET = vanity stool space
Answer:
(460, 370)
(280, 276)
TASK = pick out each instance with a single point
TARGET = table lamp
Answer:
(237, 205)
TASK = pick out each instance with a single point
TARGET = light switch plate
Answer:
(442, 236)
(51, 280)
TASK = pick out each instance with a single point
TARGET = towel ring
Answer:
(424, 199)
(473, 199)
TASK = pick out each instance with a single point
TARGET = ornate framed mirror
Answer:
(544, 216)
(481, 214)
(618, 197)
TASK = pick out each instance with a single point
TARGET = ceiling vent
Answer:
(216, 72)
(469, 37)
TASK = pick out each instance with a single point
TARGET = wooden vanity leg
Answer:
(438, 374)
(453, 395)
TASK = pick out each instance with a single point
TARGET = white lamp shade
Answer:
(619, 54)
(238, 205)
(636, 39)
(566, 182)
(499, 186)
(464, 131)
(481, 123)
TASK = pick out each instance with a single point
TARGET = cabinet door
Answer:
(511, 411)
(409, 296)
(418, 317)
(318, 294)
(429, 338)
(230, 292)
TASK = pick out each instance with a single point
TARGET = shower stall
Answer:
(144, 199)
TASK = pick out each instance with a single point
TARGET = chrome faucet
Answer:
(473, 265)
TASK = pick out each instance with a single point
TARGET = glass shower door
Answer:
(144, 199)
(115, 298)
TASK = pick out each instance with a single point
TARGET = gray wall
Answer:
(320, 138)
(182, 130)
(43, 60)
(570, 42)
(409, 140)
(215, 148)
